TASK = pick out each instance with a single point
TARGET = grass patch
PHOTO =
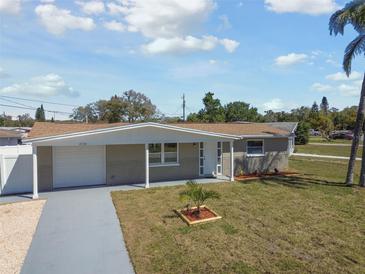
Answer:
(327, 150)
(317, 139)
(309, 223)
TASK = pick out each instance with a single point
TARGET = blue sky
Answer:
(274, 54)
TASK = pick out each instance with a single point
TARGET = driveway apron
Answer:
(78, 232)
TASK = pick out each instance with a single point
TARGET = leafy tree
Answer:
(193, 117)
(197, 195)
(314, 115)
(114, 110)
(354, 14)
(25, 120)
(138, 106)
(212, 111)
(241, 111)
(324, 105)
(85, 114)
(40, 115)
(325, 126)
(302, 133)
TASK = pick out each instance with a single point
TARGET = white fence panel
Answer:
(15, 169)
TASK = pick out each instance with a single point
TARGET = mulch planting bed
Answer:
(190, 216)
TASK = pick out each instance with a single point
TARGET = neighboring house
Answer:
(10, 137)
(70, 155)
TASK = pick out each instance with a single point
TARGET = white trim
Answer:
(126, 127)
(2, 171)
(147, 166)
(201, 148)
(220, 161)
(163, 165)
(231, 148)
(35, 172)
(257, 154)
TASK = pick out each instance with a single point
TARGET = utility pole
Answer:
(184, 105)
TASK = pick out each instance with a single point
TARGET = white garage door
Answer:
(78, 166)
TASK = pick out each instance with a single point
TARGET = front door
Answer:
(210, 159)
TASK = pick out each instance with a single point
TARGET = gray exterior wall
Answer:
(45, 168)
(276, 156)
(125, 164)
(188, 168)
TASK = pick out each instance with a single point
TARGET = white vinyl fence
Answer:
(15, 169)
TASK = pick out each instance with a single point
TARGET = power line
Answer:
(39, 101)
(14, 102)
(31, 108)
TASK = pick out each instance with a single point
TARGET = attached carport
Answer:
(79, 159)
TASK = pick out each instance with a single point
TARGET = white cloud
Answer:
(92, 7)
(115, 9)
(312, 7)
(10, 6)
(340, 76)
(169, 24)
(47, 1)
(291, 59)
(114, 25)
(229, 45)
(274, 105)
(321, 87)
(44, 86)
(165, 18)
(350, 89)
(186, 44)
(57, 20)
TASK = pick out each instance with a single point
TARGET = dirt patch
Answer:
(18, 222)
(255, 176)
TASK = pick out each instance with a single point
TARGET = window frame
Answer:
(163, 163)
(255, 154)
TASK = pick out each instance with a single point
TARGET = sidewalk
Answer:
(324, 156)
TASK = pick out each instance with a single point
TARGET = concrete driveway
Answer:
(78, 232)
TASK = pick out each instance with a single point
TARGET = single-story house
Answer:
(10, 137)
(70, 155)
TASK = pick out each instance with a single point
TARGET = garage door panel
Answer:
(78, 166)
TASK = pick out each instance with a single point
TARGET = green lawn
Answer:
(317, 139)
(305, 224)
(326, 150)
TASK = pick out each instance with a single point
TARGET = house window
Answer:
(219, 158)
(163, 153)
(255, 147)
(170, 152)
(155, 153)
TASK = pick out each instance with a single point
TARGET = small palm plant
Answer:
(197, 195)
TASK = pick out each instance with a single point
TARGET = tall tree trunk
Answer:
(356, 139)
(362, 173)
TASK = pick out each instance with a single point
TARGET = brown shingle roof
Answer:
(9, 134)
(46, 129)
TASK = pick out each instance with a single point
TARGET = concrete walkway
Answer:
(323, 156)
(335, 145)
(79, 232)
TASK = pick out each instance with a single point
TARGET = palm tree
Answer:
(196, 194)
(354, 14)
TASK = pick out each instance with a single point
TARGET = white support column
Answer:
(35, 172)
(232, 160)
(147, 178)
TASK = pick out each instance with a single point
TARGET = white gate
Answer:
(16, 169)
